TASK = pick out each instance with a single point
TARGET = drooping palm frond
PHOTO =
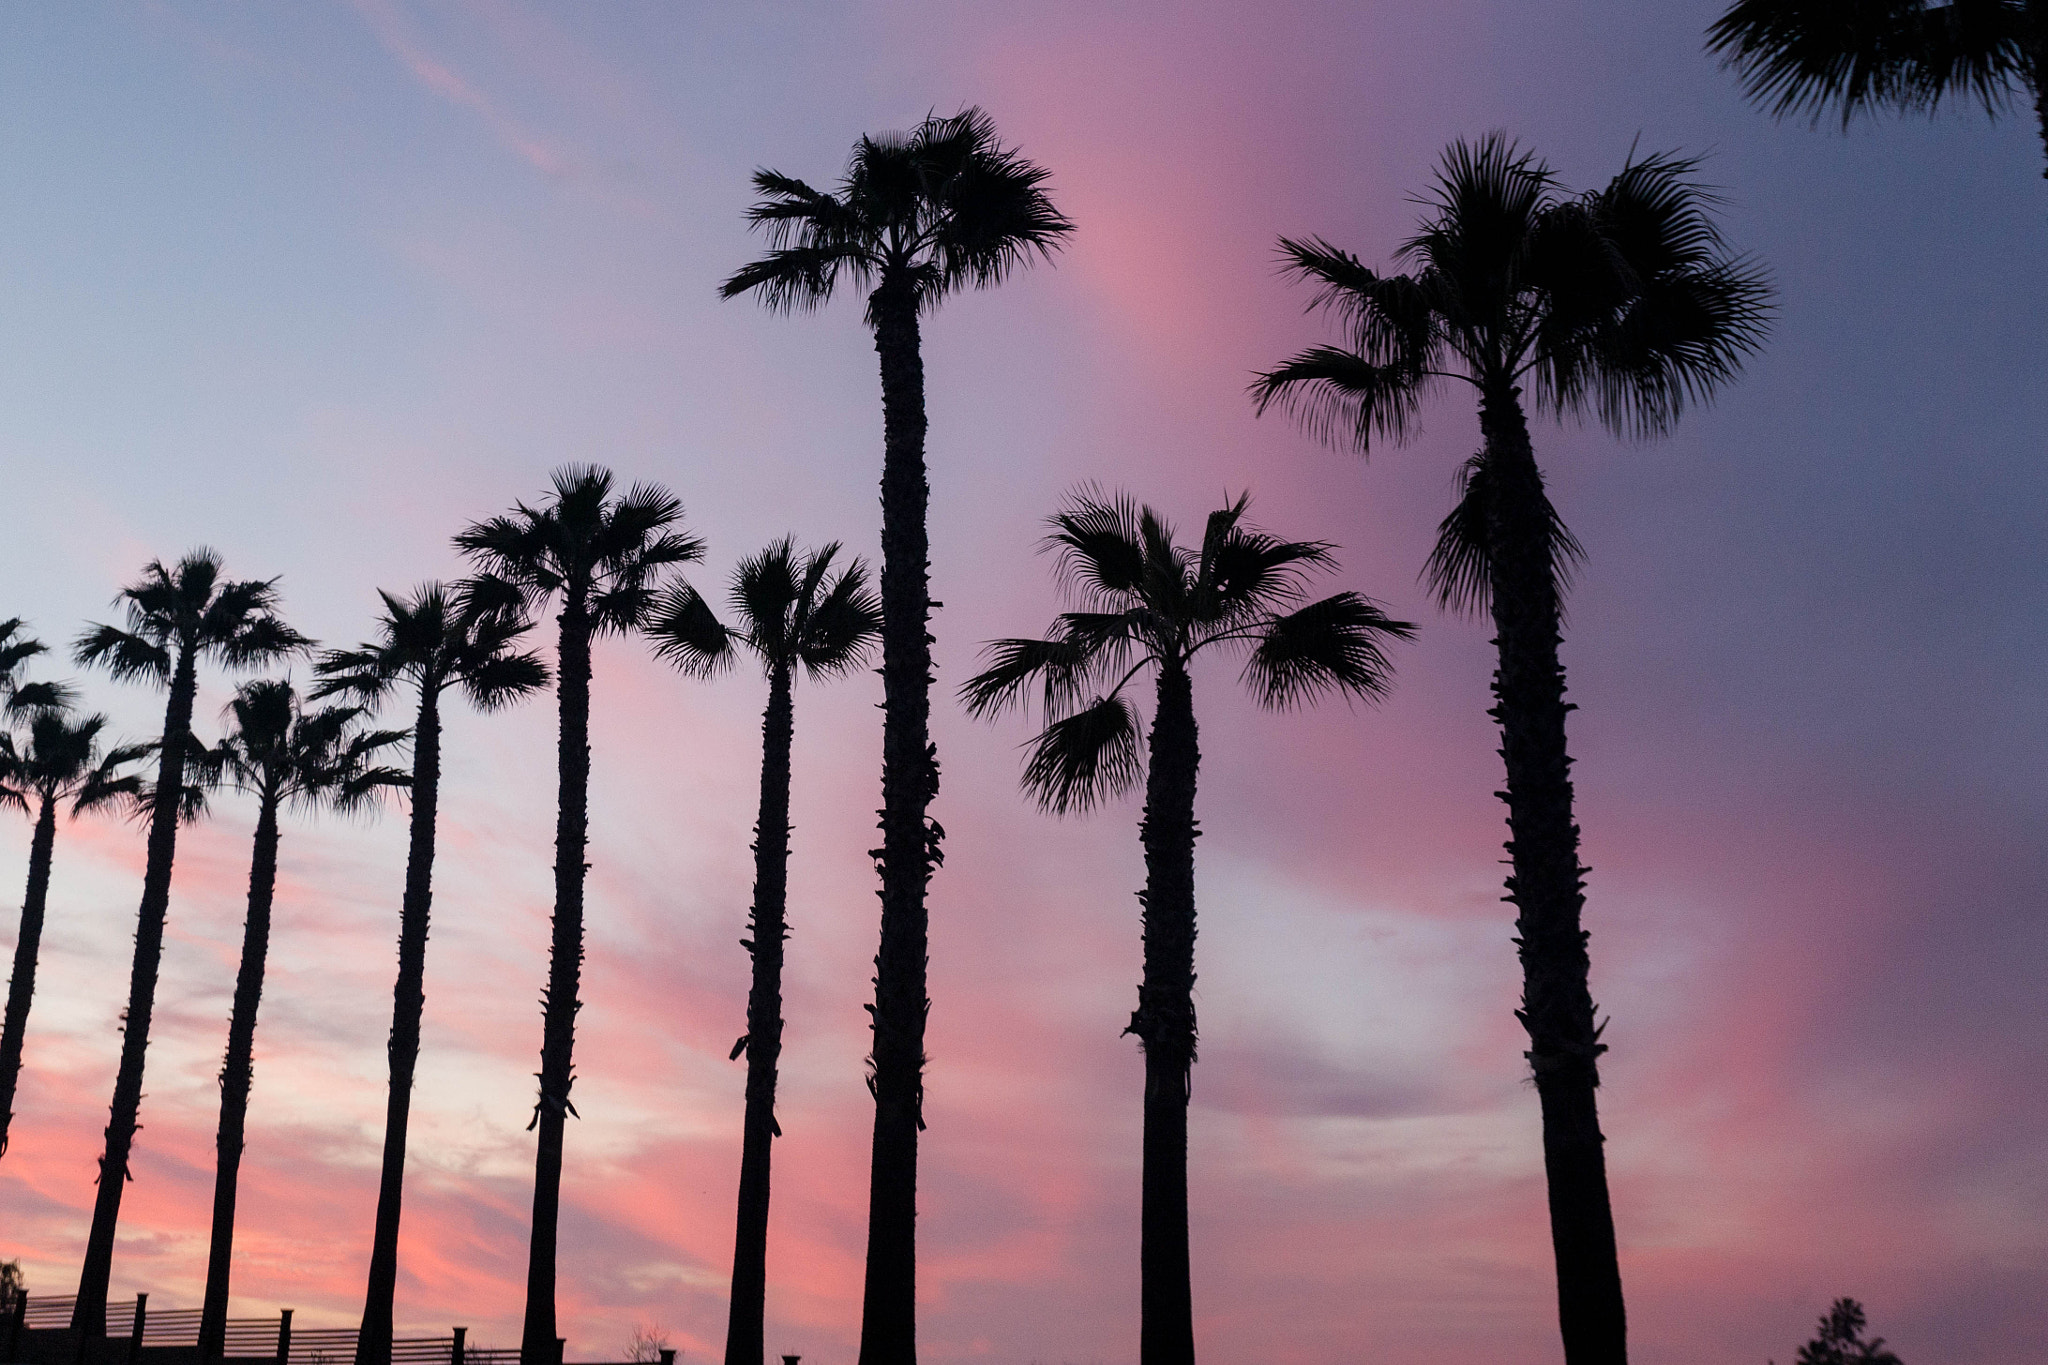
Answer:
(1098, 547)
(1062, 668)
(1459, 571)
(1858, 56)
(1085, 758)
(845, 618)
(1334, 645)
(1335, 393)
(30, 699)
(16, 649)
(124, 654)
(687, 633)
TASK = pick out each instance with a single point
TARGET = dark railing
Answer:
(175, 1332)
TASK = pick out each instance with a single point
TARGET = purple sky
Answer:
(317, 285)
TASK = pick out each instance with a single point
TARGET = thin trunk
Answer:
(910, 843)
(745, 1343)
(89, 1316)
(1164, 1023)
(538, 1344)
(21, 987)
(236, 1073)
(408, 1003)
(1547, 888)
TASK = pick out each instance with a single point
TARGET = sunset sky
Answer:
(318, 284)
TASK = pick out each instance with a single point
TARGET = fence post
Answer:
(284, 1337)
(135, 1332)
(668, 1355)
(455, 1352)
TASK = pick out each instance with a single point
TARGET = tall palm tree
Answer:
(176, 616)
(59, 760)
(793, 615)
(604, 558)
(916, 217)
(281, 754)
(435, 640)
(1621, 302)
(1801, 56)
(1149, 603)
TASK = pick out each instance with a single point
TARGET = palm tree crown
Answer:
(941, 208)
(1152, 602)
(440, 637)
(1859, 56)
(1623, 301)
(793, 613)
(287, 755)
(187, 609)
(61, 760)
(585, 544)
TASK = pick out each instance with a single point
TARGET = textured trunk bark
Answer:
(89, 1315)
(237, 1071)
(1546, 886)
(910, 844)
(538, 1344)
(408, 1003)
(21, 987)
(1164, 1023)
(745, 1343)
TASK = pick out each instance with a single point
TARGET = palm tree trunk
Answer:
(1164, 1023)
(910, 844)
(538, 1344)
(745, 1342)
(236, 1073)
(89, 1315)
(1547, 889)
(21, 987)
(408, 1003)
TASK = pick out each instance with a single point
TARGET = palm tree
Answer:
(603, 556)
(176, 616)
(793, 615)
(916, 217)
(435, 640)
(1622, 302)
(60, 760)
(280, 753)
(1150, 603)
(1801, 56)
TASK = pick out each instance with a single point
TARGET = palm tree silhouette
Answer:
(603, 556)
(434, 640)
(1150, 603)
(1801, 56)
(916, 218)
(57, 760)
(793, 615)
(176, 617)
(282, 754)
(1624, 303)
(16, 648)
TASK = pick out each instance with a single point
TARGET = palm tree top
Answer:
(582, 542)
(61, 757)
(1623, 301)
(277, 749)
(1803, 56)
(188, 608)
(1150, 602)
(941, 208)
(440, 636)
(792, 612)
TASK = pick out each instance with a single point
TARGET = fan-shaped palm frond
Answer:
(1086, 757)
(1858, 56)
(687, 633)
(1333, 645)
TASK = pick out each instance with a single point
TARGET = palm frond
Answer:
(688, 634)
(1338, 394)
(1459, 571)
(124, 654)
(799, 278)
(1857, 56)
(1336, 644)
(841, 626)
(1098, 546)
(1060, 666)
(1081, 760)
(31, 699)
